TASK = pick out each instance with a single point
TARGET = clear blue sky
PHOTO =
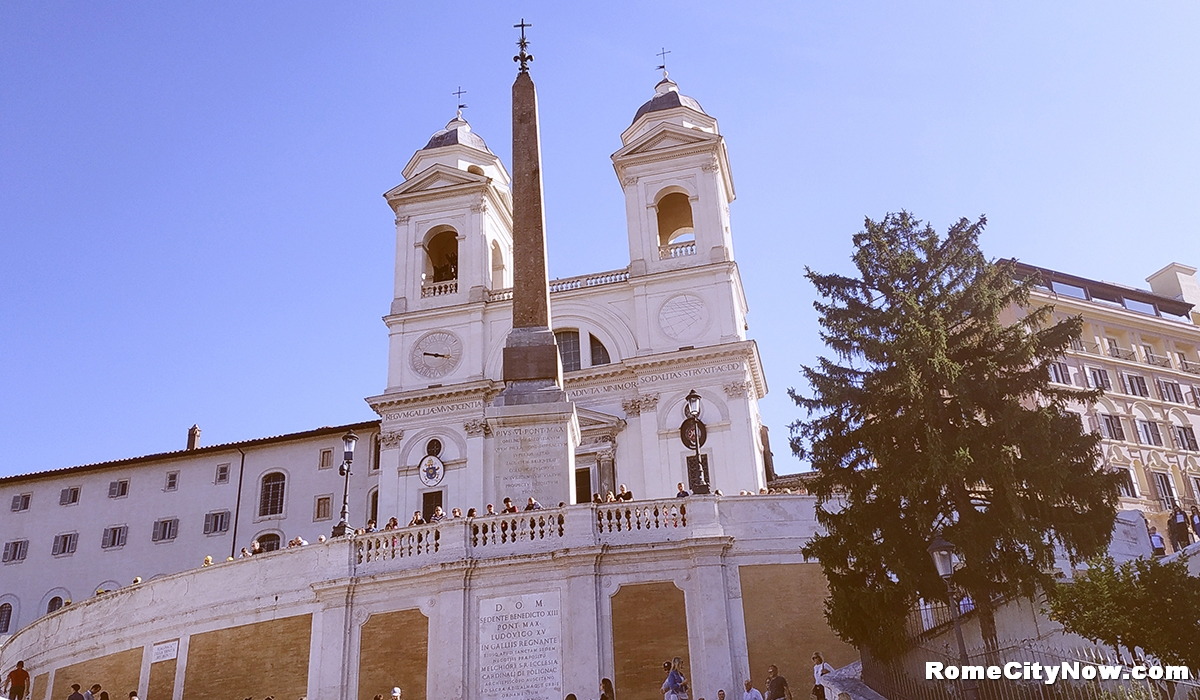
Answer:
(191, 227)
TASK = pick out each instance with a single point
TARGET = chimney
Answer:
(193, 437)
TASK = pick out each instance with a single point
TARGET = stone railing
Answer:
(512, 530)
(644, 516)
(500, 294)
(397, 544)
(580, 527)
(676, 250)
(610, 277)
(437, 289)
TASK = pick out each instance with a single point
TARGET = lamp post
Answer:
(942, 553)
(348, 442)
(693, 434)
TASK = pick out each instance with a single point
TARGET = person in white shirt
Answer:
(819, 669)
(751, 692)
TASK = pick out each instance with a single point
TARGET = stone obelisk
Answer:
(534, 427)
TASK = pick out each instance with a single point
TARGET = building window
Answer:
(270, 501)
(21, 502)
(1060, 373)
(1136, 385)
(1149, 433)
(15, 550)
(68, 496)
(216, 522)
(326, 460)
(165, 529)
(568, 349)
(65, 544)
(172, 481)
(1110, 427)
(1125, 484)
(115, 536)
(55, 603)
(222, 474)
(1185, 438)
(118, 489)
(1100, 379)
(269, 542)
(324, 509)
(5, 617)
(1166, 491)
(1170, 392)
(599, 352)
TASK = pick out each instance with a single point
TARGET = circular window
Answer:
(433, 448)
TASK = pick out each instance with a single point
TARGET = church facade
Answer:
(533, 604)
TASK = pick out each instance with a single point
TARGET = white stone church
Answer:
(583, 590)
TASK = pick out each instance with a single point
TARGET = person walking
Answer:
(820, 668)
(75, 694)
(17, 682)
(777, 685)
(751, 692)
(675, 686)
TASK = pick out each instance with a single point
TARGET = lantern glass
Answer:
(692, 407)
(349, 440)
(942, 553)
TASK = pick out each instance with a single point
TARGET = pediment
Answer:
(664, 137)
(591, 420)
(435, 177)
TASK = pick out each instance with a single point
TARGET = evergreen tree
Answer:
(937, 415)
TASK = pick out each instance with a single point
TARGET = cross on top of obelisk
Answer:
(524, 57)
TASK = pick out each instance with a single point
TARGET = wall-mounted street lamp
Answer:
(349, 440)
(693, 434)
(942, 553)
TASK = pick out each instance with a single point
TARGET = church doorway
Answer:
(430, 500)
(583, 485)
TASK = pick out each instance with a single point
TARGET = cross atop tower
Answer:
(663, 56)
(459, 93)
(523, 57)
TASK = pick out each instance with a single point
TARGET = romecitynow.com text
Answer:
(1066, 671)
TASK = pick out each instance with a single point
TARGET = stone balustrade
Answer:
(676, 250)
(437, 289)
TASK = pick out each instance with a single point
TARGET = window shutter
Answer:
(58, 542)
(64, 498)
(8, 547)
(108, 537)
(121, 531)
(113, 487)
(157, 531)
(174, 528)
(208, 523)
(1123, 382)
(16, 503)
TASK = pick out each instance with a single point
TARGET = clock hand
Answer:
(435, 354)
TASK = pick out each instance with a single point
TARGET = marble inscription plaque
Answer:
(520, 647)
(533, 460)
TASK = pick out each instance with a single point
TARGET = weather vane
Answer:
(458, 94)
(524, 57)
(663, 55)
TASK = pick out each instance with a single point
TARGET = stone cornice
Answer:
(487, 190)
(481, 390)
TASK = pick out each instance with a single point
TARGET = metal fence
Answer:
(905, 679)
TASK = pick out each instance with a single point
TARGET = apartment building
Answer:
(1142, 347)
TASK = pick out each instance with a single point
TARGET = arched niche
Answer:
(676, 224)
(441, 254)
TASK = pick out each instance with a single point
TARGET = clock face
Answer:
(436, 354)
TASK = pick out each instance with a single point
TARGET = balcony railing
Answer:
(676, 250)
(1189, 366)
(437, 289)
(1122, 353)
(1158, 360)
(568, 283)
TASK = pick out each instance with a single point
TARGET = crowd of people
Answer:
(16, 687)
(676, 687)
(1180, 528)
